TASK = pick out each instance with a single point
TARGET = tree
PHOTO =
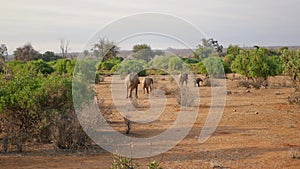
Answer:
(105, 49)
(158, 53)
(3, 52)
(143, 51)
(291, 64)
(132, 66)
(241, 63)
(50, 56)
(256, 64)
(209, 47)
(176, 64)
(26, 53)
(64, 47)
(261, 64)
(3, 55)
(214, 67)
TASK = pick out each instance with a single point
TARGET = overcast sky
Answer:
(246, 23)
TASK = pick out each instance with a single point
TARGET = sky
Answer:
(238, 22)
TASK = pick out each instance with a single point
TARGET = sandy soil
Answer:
(258, 129)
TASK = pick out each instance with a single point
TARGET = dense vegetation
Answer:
(36, 104)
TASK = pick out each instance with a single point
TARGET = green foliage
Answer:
(189, 60)
(154, 165)
(30, 101)
(40, 66)
(233, 50)
(31, 67)
(291, 62)
(142, 52)
(241, 63)
(104, 49)
(123, 163)
(257, 64)
(132, 66)
(175, 64)
(109, 64)
(140, 47)
(226, 67)
(50, 56)
(208, 48)
(169, 63)
(203, 52)
(86, 69)
(214, 66)
(160, 62)
(120, 162)
(229, 58)
(63, 66)
(36, 98)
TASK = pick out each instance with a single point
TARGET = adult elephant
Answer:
(132, 81)
(183, 77)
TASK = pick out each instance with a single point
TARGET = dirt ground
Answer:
(258, 129)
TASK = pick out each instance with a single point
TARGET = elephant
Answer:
(147, 84)
(132, 81)
(183, 77)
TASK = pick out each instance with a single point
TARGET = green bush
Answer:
(109, 64)
(214, 66)
(40, 66)
(257, 64)
(32, 103)
(132, 66)
(63, 66)
(189, 60)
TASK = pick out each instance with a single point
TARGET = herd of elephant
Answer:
(132, 81)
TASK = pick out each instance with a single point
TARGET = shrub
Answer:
(257, 64)
(132, 66)
(123, 163)
(64, 66)
(39, 107)
(214, 66)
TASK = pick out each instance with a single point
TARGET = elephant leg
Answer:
(136, 92)
(130, 94)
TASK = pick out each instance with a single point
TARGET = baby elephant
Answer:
(147, 84)
(132, 81)
(197, 81)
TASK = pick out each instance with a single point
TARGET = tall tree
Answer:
(3, 52)
(143, 51)
(3, 55)
(231, 53)
(105, 49)
(64, 47)
(26, 53)
(208, 47)
(291, 61)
